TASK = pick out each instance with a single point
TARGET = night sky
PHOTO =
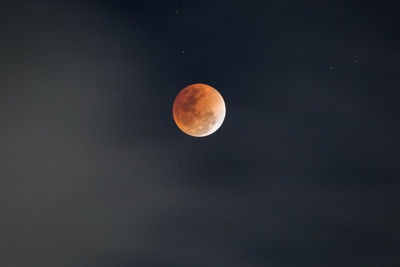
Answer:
(304, 170)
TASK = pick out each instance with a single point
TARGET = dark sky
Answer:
(304, 171)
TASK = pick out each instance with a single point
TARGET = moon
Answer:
(199, 110)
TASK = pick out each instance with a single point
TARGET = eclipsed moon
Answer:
(199, 110)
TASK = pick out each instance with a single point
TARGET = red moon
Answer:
(199, 110)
